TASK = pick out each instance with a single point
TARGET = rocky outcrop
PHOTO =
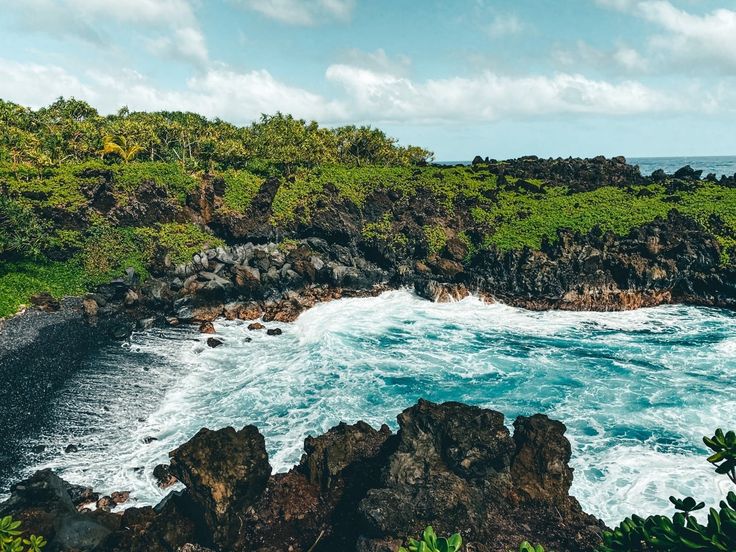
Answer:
(453, 466)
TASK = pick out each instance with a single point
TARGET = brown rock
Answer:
(256, 326)
(207, 327)
(224, 471)
(120, 497)
(90, 307)
(207, 313)
(163, 475)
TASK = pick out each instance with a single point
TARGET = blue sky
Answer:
(495, 77)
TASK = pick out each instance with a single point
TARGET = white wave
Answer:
(637, 389)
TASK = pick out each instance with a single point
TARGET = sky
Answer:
(499, 78)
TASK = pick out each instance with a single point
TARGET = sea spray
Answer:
(636, 389)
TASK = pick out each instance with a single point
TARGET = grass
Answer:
(356, 184)
(22, 279)
(61, 187)
(519, 220)
(240, 189)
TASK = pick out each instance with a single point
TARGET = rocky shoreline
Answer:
(452, 466)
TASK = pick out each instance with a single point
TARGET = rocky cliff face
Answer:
(453, 466)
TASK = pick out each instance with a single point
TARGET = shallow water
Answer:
(637, 390)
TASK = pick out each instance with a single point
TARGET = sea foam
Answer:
(636, 389)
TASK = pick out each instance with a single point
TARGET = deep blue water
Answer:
(637, 389)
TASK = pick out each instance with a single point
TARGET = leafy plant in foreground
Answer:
(683, 532)
(11, 541)
(528, 547)
(431, 543)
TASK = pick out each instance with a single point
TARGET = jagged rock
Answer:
(225, 472)
(45, 301)
(164, 477)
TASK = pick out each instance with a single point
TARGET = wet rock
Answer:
(71, 448)
(225, 472)
(213, 342)
(105, 503)
(256, 326)
(274, 331)
(82, 495)
(120, 497)
(164, 477)
(207, 327)
(148, 440)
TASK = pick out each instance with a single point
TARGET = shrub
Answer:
(436, 238)
(12, 541)
(431, 543)
(683, 531)
(21, 230)
(240, 189)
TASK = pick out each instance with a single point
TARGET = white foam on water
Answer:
(637, 390)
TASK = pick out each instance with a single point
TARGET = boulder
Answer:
(224, 471)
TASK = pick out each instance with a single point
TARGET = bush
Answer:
(12, 541)
(431, 543)
(22, 232)
(683, 531)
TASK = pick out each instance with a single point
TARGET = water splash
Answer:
(637, 389)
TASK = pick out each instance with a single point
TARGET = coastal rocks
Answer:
(164, 477)
(453, 466)
(213, 342)
(206, 327)
(45, 301)
(44, 505)
(225, 471)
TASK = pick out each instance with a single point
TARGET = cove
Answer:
(636, 389)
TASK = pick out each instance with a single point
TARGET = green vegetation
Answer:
(240, 189)
(11, 539)
(382, 232)
(429, 542)
(22, 279)
(521, 219)
(683, 532)
(527, 547)
(436, 237)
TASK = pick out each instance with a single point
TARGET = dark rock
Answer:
(274, 331)
(225, 472)
(207, 327)
(164, 477)
(45, 302)
(256, 326)
(149, 440)
(214, 342)
(71, 448)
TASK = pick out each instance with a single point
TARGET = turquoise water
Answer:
(636, 389)
(720, 165)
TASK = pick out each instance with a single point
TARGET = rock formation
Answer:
(452, 466)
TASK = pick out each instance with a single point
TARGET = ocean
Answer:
(637, 390)
(720, 165)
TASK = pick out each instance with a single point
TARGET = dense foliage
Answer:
(11, 539)
(71, 130)
(72, 181)
(683, 532)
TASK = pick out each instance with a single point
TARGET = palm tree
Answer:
(119, 145)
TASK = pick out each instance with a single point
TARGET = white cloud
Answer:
(693, 42)
(368, 95)
(709, 38)
(302, 12)
(504, 25)
(490, 96)
(622, 58)
(172, 23)
(218, 92)
(378, 61)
